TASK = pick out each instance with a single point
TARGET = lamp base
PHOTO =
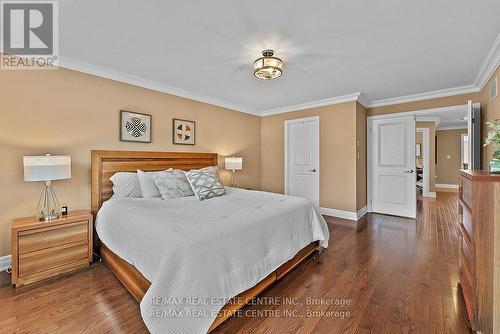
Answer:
(48, 207)
(233, 180)
(48, 218)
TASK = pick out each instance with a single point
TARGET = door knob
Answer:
(312, 170)
(409, 171)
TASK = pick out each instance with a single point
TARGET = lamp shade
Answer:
(47, 167)
(234, 163)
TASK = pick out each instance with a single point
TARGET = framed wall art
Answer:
(183, 132)
(135, 127)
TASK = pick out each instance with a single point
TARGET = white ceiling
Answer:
(205, 49)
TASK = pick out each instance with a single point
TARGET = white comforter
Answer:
(199, 254)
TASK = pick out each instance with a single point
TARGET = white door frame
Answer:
(318, 169)
(425, 137)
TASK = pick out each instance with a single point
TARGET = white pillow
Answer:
(126, 184)
(148, 187)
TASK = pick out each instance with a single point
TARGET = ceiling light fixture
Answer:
(268, 67)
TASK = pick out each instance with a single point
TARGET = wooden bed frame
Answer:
(106, 163)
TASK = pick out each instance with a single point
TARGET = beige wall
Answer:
(337, 153)
(448, 145)
(360, 157)
(432, 159)
(66, 112)
(490, 111)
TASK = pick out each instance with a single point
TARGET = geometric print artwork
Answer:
(183, 132)
(205, 182)
(135, 127)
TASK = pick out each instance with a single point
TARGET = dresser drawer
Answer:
(467, 224)
(466, 254)
(41, 238)
(466, 191)
(48, 258)
(466, 286)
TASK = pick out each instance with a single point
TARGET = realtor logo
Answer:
(29, 34)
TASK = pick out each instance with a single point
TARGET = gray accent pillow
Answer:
(126, 184)
(205, 182)
(148, 187)
(172, 183)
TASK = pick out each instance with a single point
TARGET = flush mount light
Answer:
(268, 67)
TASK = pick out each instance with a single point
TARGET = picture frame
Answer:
(135, 127)
(183, 132)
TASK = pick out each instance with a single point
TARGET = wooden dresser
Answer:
(479, 248)
(46, 249)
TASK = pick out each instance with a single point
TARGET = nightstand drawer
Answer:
(41, 238)
(43, 260)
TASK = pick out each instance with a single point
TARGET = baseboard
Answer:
(446, 186)
(354, 216)
(361, 212)
(5, 262)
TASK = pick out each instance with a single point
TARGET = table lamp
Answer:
(47, 168)
(234, 164)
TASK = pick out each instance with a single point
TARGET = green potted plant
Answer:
(493, 137)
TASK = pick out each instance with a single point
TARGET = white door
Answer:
(393, 166)
(302, 158)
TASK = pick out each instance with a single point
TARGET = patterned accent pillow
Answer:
(172, 183)
(126, 184)
(205, 182)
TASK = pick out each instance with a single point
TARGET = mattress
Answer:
(208, 251)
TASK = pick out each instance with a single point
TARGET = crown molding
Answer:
(462, 107)
(102, 72)
(425, 96)
(313, 104)
(363, 100)
(490, 64)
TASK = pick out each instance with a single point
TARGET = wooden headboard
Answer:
(107, 163)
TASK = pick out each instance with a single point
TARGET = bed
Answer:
(191, 264)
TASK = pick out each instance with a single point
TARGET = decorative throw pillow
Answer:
(172, 183)
(126, 184)
(148, 187)
(205, 183)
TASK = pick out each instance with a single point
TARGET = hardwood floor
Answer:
(399, 275)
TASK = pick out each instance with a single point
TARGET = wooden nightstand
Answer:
(45, 249)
